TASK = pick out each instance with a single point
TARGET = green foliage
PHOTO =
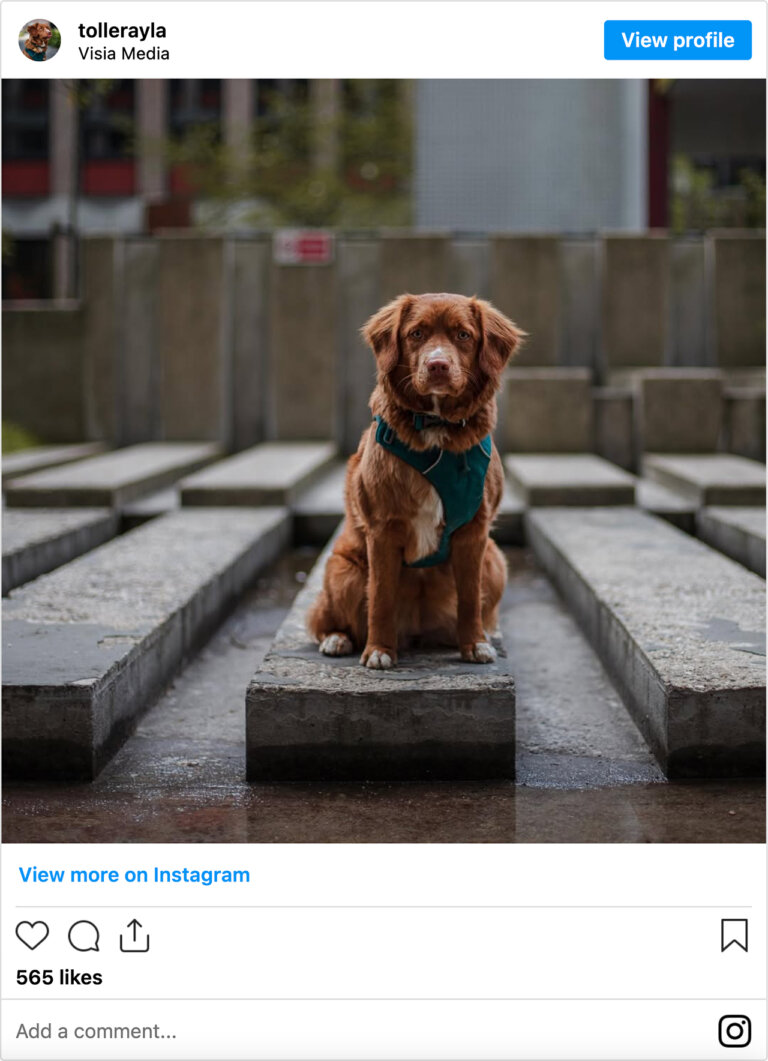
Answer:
(697, 205)
(295, 168)
(16, 437)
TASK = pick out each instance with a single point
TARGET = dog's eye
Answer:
(464, 335)
(416, 333)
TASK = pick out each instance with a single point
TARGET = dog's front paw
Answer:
(336, 645)
(378, 658)
(479, 652)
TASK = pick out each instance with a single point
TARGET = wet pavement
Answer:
(584, 773)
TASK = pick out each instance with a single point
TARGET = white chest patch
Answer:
(426, 525)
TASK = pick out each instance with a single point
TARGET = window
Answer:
(194, 103)
(106, 119)
(26, 119)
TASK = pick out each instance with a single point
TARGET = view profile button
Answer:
(679, 39)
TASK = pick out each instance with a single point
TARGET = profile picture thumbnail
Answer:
(39, 39)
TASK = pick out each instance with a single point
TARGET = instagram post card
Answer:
(383, 531)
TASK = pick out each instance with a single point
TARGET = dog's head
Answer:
(39, 31)
(441, 345)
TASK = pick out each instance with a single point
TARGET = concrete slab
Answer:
(666, 503)
(88, 647)
(37, 458)
(745, 421)
(38, 540)
(737, 532)
(272, 473)
(680, 629)
(678, 410)
(311, 717)
(614, 425)
(636, 287)
(150, 507)
(319, 507)
(548, 410)
(526, 283)
(569, 479)
(111, 479)
(709, 479)
(738, 296)
(509, 527)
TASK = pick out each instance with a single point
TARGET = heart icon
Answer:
(31, 933)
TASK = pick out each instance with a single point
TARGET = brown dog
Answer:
(439, 365)
(38, 36)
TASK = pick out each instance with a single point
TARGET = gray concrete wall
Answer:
(193, 336)
(43, 372)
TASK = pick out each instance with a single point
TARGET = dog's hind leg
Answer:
(337, 619)
(494, 579)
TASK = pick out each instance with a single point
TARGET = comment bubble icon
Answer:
(84, 936)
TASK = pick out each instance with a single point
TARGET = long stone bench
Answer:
(272, 473)
(38, 540)
(319, 507)
(311, 717)
(737, 532)
(569, 479)
(159, 503)
(87, 647)
(112, 479)
(37, 458)
(680, 628)
(709, 479)
(669, 504)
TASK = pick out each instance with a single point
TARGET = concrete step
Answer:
(569, 479)
(272, 473)
(666, 503)
(737, 532)
(38, 540)
(160, 503)
(709, 479)
(745, 421)
(679, 627)
(509, 527)
(314, 718)
(88, 647)
(318, 508)
(112, 479)
(678, 410)
(35, 459)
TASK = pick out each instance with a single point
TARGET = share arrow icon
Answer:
(136, 944)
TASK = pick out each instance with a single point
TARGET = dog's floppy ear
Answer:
(500, 338)
(380, 332)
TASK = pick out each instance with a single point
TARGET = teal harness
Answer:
(459, 478)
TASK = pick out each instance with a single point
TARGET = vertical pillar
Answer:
(152, 121)
(525, 284)
(325, 98)
(64, 172)
(237, 111)
(658, 154)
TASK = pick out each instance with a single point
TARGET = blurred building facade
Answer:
(489, 156)
(532, 156)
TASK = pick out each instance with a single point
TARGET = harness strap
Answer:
(458, 478)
